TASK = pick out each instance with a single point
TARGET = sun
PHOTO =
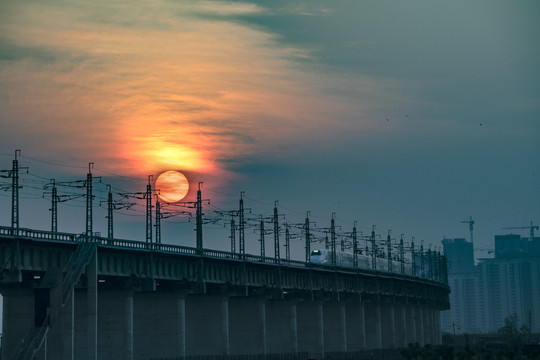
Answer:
(172, 186)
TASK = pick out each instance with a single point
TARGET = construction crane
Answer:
(471, 226)
(530, 227)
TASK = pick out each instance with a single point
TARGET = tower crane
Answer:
(471, 227)
(530, 227)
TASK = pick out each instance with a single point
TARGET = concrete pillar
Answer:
(335, 327)
(115, 323)
(247, 325)
(400, 321)
(427, 325)
(310, 328)
(92, 307)
(388, 326)
(17, 318)
(68, 333)
(411, 323)
(419, 325)
(207, 325)
(158, 325)
(180, 326)
(128, 326)
(281, 331)
(356, 331)
(373, 326)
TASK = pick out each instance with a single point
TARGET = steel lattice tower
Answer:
(355, 246)
(402, 255)
(54, 207)
(287, 243)
(148, 197)
(308, 238)
(261, 221)
(109, 213)
(89, 198)
(199, 220)
(233, 236)
(389, 251)
(373, 249)
(276, 233)
(241, 224)
(158, 221)
(333, 239)
(15, 194)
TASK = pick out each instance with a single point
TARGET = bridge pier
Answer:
(388, 326)
(18, 317)
(281, 330)
(400, 320)
(335, 326)
(207, 324)
(373, 326)
(247, 325)
(356, 328)
(310, 328)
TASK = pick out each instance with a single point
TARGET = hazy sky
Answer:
(409, 115)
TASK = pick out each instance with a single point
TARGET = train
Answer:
(345, 260)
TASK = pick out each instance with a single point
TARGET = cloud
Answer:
(159, 85)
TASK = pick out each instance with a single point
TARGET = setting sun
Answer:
(172, 186)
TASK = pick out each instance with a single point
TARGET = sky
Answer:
(411, 116)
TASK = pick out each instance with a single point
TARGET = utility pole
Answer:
(389, 251)
(373, 249)
(158, 220)
(54, 207)
(355, 246)
(148, 197)
(241, 228)
(233, 235)
(422, 268)
(402, 255)
(276, 233)
(287, 243)
(89, 198)
(308, 238)
(413, 258)
(261, 239)
(110, 206)
(333, 239)
(199, 215)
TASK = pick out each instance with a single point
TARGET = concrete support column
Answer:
(67, 314)
(92, 307)
(335, 327)
(411, 323)
(159, 324)
(427, 325)
(373, 326)
(419, 325)
(356, 331)
(400, 321)
(180, 326)
(388, 326)
(247, 325)
(438, 339)
(17, 318)
(207, 325)
(281, 331)
(128, 326)
(310, 323)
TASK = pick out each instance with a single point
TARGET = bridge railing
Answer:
(168, 248)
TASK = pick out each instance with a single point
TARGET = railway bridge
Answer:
(68, 296)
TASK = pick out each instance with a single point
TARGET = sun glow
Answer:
(172, 186)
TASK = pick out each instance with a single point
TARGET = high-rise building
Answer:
(482, 296)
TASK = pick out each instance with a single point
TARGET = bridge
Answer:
(72, 296)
